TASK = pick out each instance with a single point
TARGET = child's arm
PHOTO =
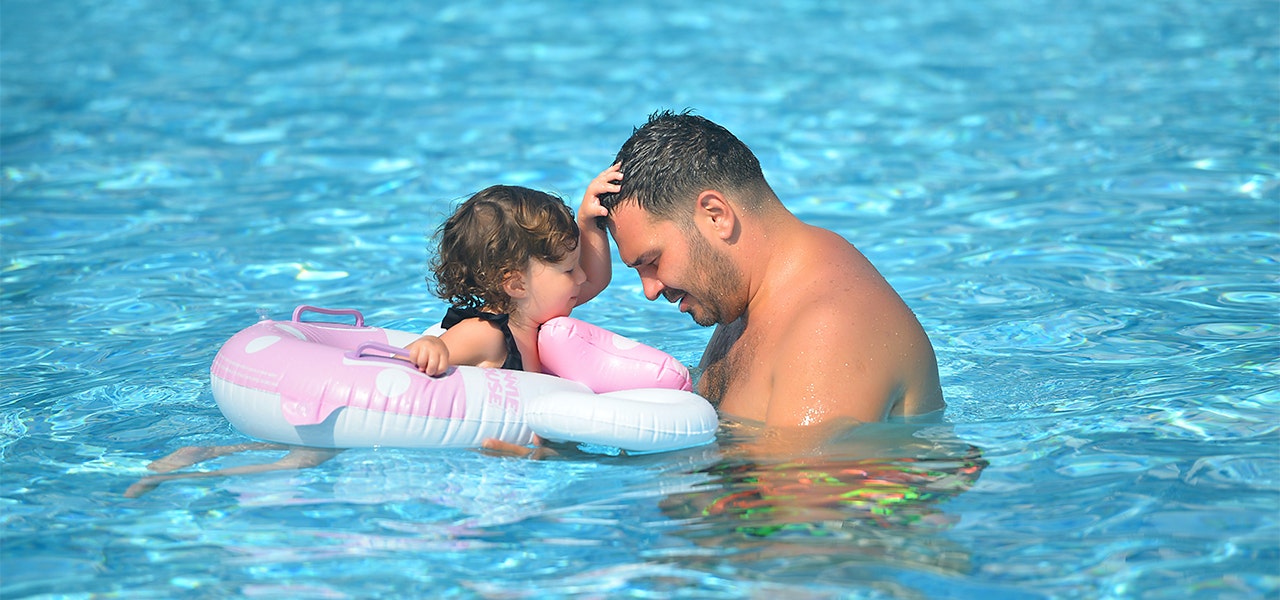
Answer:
(593, 240)
(474, 342)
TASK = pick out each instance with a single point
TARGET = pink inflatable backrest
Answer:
(605, 361)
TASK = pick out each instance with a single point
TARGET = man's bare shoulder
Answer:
(843, 332)
(836, 284)
(842, 304)
(829, 359)
(824, 321)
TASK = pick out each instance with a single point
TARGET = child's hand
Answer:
(604, 183)
(429, 354)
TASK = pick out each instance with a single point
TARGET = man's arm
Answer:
(830, 366)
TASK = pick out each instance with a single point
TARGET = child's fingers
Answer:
(439, 361)
(609, 175)
(603, 182)
(423, 358)
(415, 356)
(437, 365)
(593, 209)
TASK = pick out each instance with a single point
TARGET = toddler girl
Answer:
(509, 259)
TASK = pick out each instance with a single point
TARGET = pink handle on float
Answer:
(398, 355)
(297, 313)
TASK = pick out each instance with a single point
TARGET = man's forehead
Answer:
(631, 227)
(627, 212)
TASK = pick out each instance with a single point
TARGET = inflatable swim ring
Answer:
(342, 386)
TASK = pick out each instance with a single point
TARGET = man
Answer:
(807, 330)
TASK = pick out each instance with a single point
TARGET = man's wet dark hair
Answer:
(674, 157)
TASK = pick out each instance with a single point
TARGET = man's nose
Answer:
(652, 287)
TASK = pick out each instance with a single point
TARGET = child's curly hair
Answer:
(496, 233)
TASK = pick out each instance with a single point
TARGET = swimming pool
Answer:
(1079, 200)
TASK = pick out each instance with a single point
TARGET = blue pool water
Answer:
(1080, 199)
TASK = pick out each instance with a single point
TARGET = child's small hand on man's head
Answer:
(604, 183)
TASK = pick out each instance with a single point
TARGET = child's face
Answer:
(552, 288)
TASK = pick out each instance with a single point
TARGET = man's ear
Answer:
(514, 285)
(717, 215)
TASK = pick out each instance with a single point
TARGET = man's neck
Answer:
(768, 254)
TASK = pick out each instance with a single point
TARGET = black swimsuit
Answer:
(454, 315)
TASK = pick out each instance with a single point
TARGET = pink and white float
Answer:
(338, 385)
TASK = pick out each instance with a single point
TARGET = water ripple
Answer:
(1081, 211)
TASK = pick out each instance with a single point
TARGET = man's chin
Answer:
(702, 318)
(698, 312)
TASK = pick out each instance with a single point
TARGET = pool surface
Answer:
(1080, 200)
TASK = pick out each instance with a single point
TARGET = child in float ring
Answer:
(510, 259)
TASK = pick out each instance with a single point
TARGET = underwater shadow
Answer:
(844, 497)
